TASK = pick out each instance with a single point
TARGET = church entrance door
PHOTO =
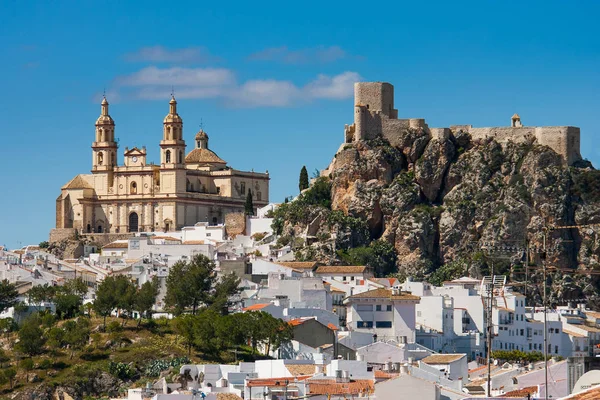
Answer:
(133, 222)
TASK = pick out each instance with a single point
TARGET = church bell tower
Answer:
(104, 148)
(172, 153)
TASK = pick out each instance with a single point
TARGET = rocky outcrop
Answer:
(442, 197)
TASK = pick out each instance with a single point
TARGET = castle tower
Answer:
(202, 140)
(104, 148)
(515, 121)
(172, 153)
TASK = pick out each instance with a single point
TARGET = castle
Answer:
(137, 196)
(375, 116)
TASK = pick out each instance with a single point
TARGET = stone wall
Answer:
(376, 96)
(60, 234)
(235, 224)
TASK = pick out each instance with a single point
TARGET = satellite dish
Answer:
(587, 380)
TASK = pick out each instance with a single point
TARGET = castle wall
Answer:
(376, 96)
(565, 140)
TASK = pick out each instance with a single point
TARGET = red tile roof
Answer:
(521, 393)
(341, 269)
(256, 307)
(275, 382)
(384, 293)
(330, 386)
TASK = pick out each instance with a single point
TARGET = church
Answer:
(144, 197)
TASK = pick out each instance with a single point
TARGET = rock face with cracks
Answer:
(440, 199)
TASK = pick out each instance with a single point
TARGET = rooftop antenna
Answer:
(201, 124)
(172, 91)
(104, 93)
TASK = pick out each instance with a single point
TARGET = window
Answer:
(100, 158)
(364, 307)
(529, 346)
(243, 187)
(388, 307)
(364, 324)
(557, 330)
(378, 307)
(181, 157)
(208, 234)
(555, 349)
(383, 324)
(133, 188)
(168, 156)
(522, 332)
(418, 313)
(343, 278)
(351, 278)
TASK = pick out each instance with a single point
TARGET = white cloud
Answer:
(177, 76)
(332, 87)
(161, 54)
(284, 55)
(219, 83)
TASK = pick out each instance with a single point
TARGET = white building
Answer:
(387, 313)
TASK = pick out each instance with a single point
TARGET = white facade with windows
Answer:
(387, 313)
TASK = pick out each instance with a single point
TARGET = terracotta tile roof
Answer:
(590, 394)
(166, 238)
(588, 328)
(301, 369)
(256, 307)
(275, 382)
(384, 293)
(332, 327)
(571, 333)
(341, 269)
(384, 375)
(593, 314)
(116, 245)
(78, 182)
(442, 358)
(296, 321)
(521, 393)
(330, 386)
(228, 396)
(336, 290)
(198, 156)
(298, 264)
(195, 242)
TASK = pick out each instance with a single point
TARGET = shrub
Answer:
(114, 327)
(120, 370)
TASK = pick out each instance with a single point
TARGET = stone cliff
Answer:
(451, 199)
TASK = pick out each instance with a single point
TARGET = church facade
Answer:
(144, 197)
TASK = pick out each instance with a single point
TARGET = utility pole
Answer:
(490, 328)
(545, 320)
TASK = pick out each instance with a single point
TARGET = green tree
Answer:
(249, 205)
(3, 358)
(126, 292)
(447, 272)
(7, 325)
(189, 284)
(10, 374)
(77, 333)
(78, 287)
(31, 336)
(44, 245)
(68, 304)
(107, 299)
(303, 182)
(226, 287)
(8, 295)
(56, 338)
(185, 326)
(146, 298)
(27, 365)
(40, 293)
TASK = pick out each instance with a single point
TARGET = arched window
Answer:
(168, 156)
(169, 133)
(99, 229)
(133, 188)
(100, 158)
(133, 222)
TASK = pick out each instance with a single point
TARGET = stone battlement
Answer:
(375, 116)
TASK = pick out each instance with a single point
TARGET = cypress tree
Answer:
(303, 184)
(249, 206)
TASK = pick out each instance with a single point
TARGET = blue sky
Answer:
(272, 82)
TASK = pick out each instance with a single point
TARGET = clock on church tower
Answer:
(135, 157)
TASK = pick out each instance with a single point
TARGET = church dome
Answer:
(203, 156)
(201, 135)
(104, 118)
(172, 116)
